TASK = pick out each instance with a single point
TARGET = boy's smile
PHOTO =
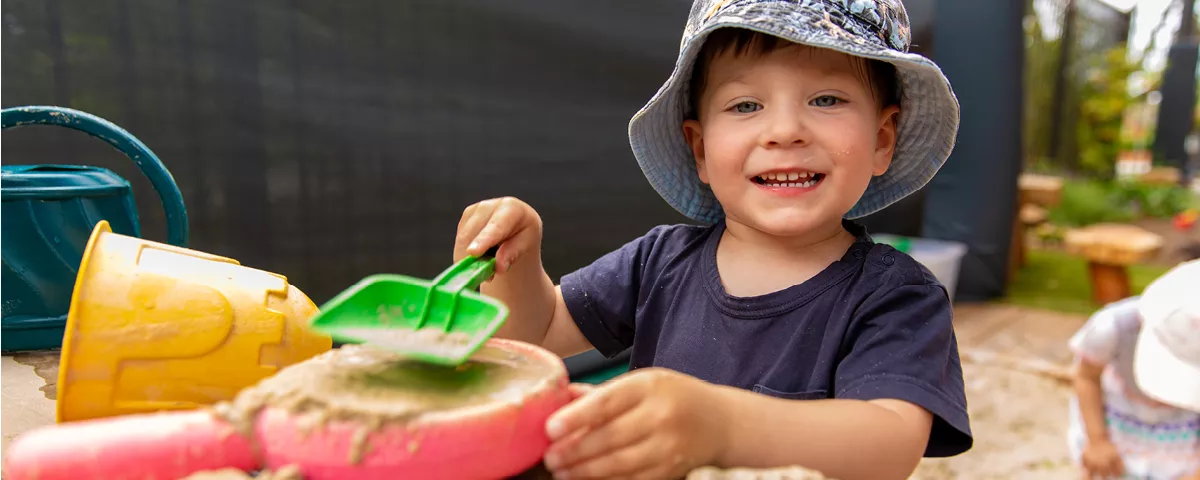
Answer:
(788, 182)
(789, 139)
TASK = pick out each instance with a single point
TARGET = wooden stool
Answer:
(1036, 194)
(1109, 249)
(1040, 190)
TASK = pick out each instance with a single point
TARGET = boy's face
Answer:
(788, 140)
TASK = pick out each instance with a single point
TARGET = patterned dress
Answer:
(1156, 441)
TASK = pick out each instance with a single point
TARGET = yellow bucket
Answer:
(156, 327)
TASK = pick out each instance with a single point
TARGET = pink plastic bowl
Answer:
(492, 441)
(487, 442)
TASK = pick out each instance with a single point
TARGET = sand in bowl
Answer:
(375, 388)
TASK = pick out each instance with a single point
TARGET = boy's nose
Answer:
(785, 127)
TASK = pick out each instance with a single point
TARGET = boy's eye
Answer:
(747, 107)
(826, 101)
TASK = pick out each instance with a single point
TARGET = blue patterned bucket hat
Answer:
(875, 29)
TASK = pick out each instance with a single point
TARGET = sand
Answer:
(374, 388)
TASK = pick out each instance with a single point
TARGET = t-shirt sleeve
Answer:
(1097, 340)
(902, 346)
(603, 296)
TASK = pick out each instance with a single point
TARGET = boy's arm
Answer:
(898, 394)
(658, 423)
(900, 372)
(844, 439)
(536, 315)
(604, 295)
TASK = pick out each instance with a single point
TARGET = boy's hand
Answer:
(507, 222)
(1101, 460)
(650, 423)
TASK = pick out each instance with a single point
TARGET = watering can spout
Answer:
(157, 327)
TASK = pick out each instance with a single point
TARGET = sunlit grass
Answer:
(1058, 281)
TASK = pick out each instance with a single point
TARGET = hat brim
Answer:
(926, 130)
(1158, 372)
(1170, 291)
(1163, 376)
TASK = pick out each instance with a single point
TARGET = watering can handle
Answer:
(150, 165)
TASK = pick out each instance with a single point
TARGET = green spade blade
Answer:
(443, 321)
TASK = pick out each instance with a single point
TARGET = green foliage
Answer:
(1041, 66)
(1155, 201)
(1104, 99)
(1085, 202)
(1093, 101)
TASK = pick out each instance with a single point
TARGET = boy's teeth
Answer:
(793, 179)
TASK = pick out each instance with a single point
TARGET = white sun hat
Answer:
(1166, 364)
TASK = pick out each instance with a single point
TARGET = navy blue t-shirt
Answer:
(875, 324)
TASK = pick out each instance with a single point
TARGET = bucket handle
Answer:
(147, 162)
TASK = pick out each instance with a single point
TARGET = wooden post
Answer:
(1016, 251)
(1035, 192)
(1110, 282)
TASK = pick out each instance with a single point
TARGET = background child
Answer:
(1138, 383)
(778, 333)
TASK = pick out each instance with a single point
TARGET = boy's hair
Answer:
(880, 75)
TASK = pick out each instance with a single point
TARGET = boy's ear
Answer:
(694, 133)
(885, 141)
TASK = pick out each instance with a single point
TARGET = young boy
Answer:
(778, 334)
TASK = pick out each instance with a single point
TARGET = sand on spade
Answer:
(430, 340)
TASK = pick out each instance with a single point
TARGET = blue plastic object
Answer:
(49, 212)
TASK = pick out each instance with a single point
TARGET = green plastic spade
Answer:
(443, 321)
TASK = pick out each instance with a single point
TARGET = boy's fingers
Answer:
(469, 228)
(515, 236)
(580, 389)
(467, 214)
(597, 408)
(642, 456)
(623, 431)
(567, 442)
(502, 226)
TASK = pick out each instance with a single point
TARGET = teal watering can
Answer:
(49, 212)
